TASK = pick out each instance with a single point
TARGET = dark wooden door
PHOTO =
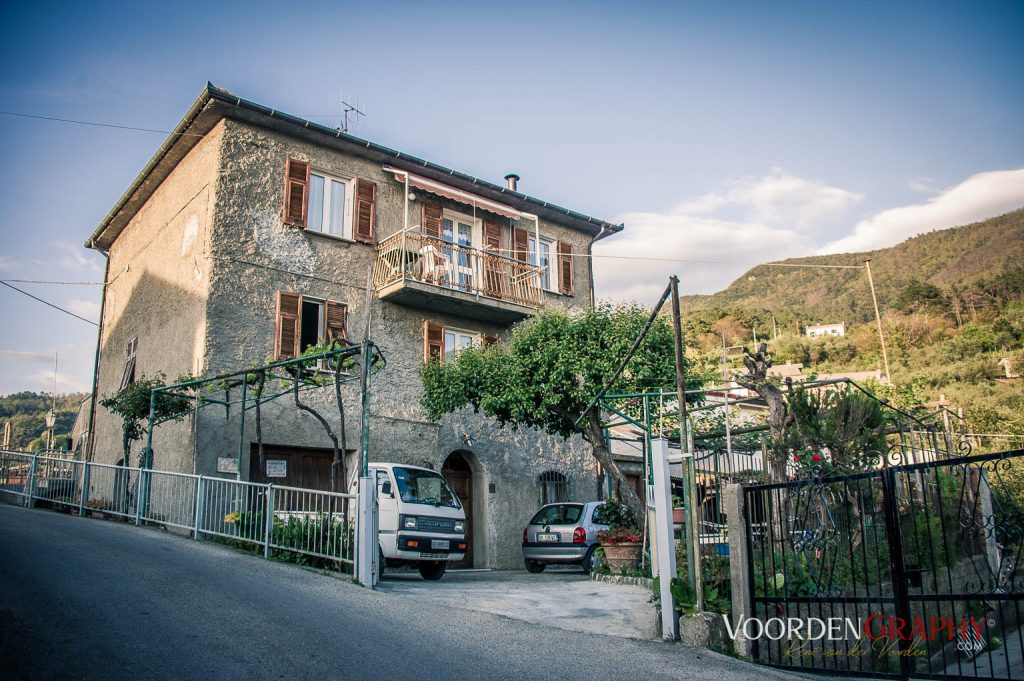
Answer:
(462, 483)
(305, 468)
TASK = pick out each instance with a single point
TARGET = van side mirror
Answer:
(385, 489)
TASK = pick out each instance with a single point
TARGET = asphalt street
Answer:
(92, 599)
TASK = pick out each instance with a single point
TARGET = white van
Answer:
(421, 519)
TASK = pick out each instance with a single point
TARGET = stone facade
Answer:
(194, 277)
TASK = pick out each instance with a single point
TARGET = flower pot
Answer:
(678, 515)
(624, 555)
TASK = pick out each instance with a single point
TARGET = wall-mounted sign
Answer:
(277, 468)
(227, 464)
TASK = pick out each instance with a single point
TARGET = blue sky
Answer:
(737, 132)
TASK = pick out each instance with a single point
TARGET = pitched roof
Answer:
(216, 103)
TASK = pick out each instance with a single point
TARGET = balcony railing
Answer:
(412, 256)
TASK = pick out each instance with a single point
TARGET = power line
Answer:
(46, 281)
(44, 302)
(98, 125)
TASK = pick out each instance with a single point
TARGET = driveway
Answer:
(562, 598)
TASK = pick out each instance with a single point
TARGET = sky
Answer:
(735, 133)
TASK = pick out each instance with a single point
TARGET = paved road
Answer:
(90, 599)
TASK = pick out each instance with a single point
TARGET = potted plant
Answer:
(678, 510)
(621, 542)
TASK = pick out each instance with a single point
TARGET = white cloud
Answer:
(978, 197)
(779, 199)
(66, 383)
(7, 265)
(76, 258)
(24, 356)
(90, 309)
(728, 249)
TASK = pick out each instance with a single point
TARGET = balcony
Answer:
(425, 272)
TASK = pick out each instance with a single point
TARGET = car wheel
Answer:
(380, 561)
(533, 567)
(432, 570)
(588, 560)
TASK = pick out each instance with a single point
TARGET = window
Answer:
(303, 322)
(540, 255)
(456, 341)
(460, 230)
(128, 376)
(562, 514)
(329, 205)
(554, 487)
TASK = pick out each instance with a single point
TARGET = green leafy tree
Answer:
(132, 404)
(552, 367)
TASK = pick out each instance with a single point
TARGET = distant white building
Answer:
(818, 330)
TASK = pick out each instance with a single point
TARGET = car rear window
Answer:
(560, 514)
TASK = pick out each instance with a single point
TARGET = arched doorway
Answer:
(459, 474)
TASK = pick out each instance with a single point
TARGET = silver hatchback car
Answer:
(564, 533)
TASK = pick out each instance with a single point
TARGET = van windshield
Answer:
(424, 487)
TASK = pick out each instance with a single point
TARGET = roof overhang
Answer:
(215, 104)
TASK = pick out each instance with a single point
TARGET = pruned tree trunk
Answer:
(594, 434)
(323, 422)
(756, 379)
(259, 423)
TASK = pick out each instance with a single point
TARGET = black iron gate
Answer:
(904, 571)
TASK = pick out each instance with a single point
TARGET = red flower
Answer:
(796, 457)
(815, 458)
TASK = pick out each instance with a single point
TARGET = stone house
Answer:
(248, 237)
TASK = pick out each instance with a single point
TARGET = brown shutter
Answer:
(289, 325)
(433, 342)
(494, 261)
(431, 223)
(520, 244)
(366, 211)
(566, 285)
(489, 340)
(296, 192)
(336, 321)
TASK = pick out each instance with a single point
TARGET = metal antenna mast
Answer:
(349, 110)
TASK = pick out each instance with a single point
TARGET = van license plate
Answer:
(439, 544)
(547, 536)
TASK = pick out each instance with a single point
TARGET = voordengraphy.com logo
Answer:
(884, 632)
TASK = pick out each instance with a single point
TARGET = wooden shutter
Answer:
(492, 236)
(565, 269)
(366, 211)
(494, 261)
(520, 244)
(288, 325)
(433, 342)
(336, 321)
(431, 222)
(296, 192)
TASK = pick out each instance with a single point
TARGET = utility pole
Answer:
(878, 320)
(364, 382)
(692, 528)
(725, 378)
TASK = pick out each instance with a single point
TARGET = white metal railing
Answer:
(412, 255)
(276, 518)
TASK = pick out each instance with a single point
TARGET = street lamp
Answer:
(51, 420)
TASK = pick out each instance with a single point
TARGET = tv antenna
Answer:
(349, 110)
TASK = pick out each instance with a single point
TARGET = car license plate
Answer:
(547, 536)
(439, 544)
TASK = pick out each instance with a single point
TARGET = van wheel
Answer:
(588, 560)
(380, 561)
(533, 567)
(432, 570)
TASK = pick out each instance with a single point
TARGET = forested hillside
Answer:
(26, 412)
(952, 305)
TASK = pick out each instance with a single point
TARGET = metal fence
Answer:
(305, 522)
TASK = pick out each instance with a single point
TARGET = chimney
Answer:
(512, 181)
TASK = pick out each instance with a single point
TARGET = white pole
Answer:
(664, 536)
